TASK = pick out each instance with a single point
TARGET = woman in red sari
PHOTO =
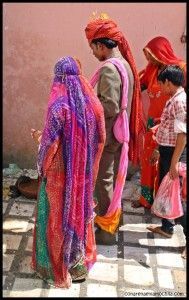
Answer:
(159, 54)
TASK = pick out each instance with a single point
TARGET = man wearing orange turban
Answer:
(104, 36)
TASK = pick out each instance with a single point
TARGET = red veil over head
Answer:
(107, 28)
(160, 48)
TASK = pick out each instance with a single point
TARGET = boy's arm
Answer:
(179, 147)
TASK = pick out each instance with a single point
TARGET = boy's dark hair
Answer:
(173, 74)
(107, 42)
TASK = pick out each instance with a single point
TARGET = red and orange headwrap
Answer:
(104, 27)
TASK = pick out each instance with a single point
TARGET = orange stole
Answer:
(109, 223)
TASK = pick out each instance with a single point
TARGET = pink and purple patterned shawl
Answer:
(68, 158)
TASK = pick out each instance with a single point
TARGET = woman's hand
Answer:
(36, 135)
(155, 156)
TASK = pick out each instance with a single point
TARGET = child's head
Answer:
(170, 78)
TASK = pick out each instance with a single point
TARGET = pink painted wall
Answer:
(36, 35)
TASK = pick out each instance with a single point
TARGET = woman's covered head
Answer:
(159, 51)
(66, 66)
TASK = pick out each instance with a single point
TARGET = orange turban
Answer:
(107, 28)
(101, 28)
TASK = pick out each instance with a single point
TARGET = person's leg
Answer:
(104, 189)
(168, 225)
(104, 182)
(164, 165)
(166, 229)
(166, 154)
(108, 169)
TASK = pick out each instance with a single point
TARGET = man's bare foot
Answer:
(183, 255)
(136, 204)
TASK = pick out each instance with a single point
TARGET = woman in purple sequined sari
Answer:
(68, 159)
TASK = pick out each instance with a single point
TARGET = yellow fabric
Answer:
(109, 223)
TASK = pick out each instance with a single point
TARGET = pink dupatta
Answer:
(110, 221)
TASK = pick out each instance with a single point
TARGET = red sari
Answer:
(161, 50)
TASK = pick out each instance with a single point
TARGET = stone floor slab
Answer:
(15, 225)
(6, 293)
(181, 289)
(4, 206)
(104, 271)
(26, 288)
(22, 209)
(180, 275)
(29, 244)
(73, 291)
(145, 255)
(174, 241)
(7, 261)
(165, 278)
(137, 255)
(11, 241)
(134, 237)
(25, 265)
(128, 208)
(138, 275)
(139, 227)
(107, 252)
(128, 190)
(101, 290)
(128, 219)
(169, 259)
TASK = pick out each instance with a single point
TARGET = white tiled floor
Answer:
(107, 253)
(139, 227)
(15, 225)
(4, 206)
(169, 259)
(128, 219)
(139, 255)
(172, 242)
(21, 209)
(101, 290)
(128, 208)
(104, 271)
(180, 275)
(11, 241)
(7, 261)
(138, 275)
(26, 288)
(134, 237)
(29, 244)
(110, 276)
(165, 278)
(25, 265)
(73, 291)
